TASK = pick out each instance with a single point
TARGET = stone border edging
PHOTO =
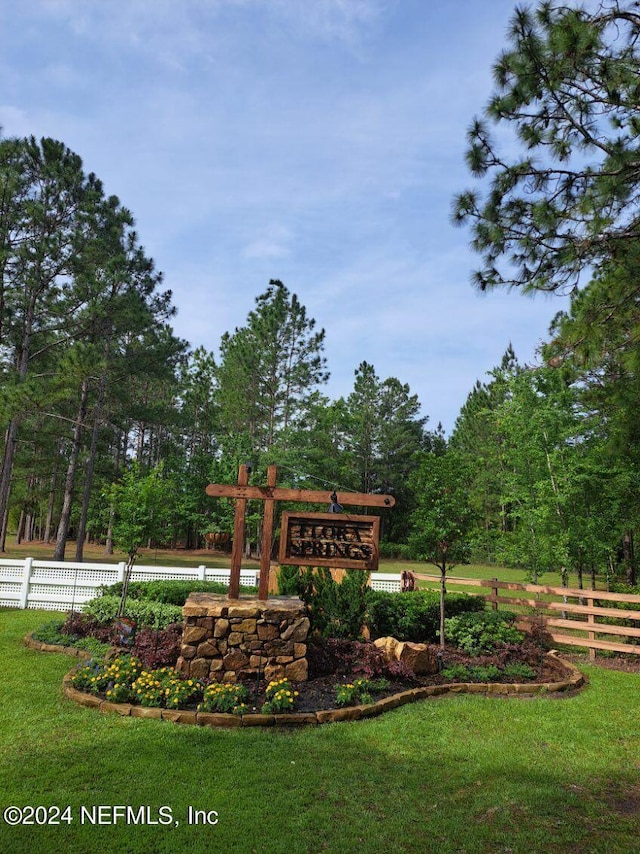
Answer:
(40, 646)
(293, 719)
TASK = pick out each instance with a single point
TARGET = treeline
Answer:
(549, 459)
(96, 389)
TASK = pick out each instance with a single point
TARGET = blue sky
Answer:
(319, 142)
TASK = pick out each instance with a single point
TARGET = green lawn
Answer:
(96, 554)
(452, 774)
(182, 557)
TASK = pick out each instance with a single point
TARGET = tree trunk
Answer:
(443, 593)
(65, 515)
(48, 525)
(20, 528)
(22, 365)
(628, 555)
(88, 483)
(5, 479)
(108, 546)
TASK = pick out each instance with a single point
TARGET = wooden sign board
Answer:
(330, 539)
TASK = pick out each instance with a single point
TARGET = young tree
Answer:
(142, 505)
(443, 518)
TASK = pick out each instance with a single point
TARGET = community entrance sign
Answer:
(329, 539)
(348, 551)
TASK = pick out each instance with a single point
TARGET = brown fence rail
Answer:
(581, 612)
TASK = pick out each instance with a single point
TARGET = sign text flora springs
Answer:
(329, 539)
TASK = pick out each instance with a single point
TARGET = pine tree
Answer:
(269, 370)
(567, 87)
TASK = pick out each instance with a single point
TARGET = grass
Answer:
(453, 774)
(94, 553)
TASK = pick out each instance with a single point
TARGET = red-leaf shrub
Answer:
(337, 656)
(159, 648)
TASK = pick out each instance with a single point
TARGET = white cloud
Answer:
(273, 241)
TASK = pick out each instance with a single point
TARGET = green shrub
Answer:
(457, 672)
(169, 592)
(482, 632)
(93, 646)
(289, 581)
(395, 551)
(336, 609)
(518, 670)
(415, 616)
(53, 633)
(489, 673)
(155, 615)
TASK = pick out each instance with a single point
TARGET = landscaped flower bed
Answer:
(124, 686)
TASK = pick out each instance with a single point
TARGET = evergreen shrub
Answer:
(155, 615)
(169, 591)
(337, 609)
(482, 633)
(415, 615)
(289, 581)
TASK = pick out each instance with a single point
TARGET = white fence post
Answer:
(121, 568)
(201, 572)
(26, 579)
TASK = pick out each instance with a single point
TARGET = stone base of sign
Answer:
(228, 639)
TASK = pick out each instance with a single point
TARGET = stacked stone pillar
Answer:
(231, 639)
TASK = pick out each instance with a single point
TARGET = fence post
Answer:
(494, 594)
(121, 568)
(202, 572)
(26, 580)
(591, 621)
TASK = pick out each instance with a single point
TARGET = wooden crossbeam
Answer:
(271, 493)
(306, 496)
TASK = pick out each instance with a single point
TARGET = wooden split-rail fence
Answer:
(571, 617)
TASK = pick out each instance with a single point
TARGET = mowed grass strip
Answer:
(94, 553)
(452, 774)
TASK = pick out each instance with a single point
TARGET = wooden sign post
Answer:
(270, 494)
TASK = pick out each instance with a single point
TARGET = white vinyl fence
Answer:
(61, 586)
(56, 586)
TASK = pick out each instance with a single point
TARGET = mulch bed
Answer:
(319, 693)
